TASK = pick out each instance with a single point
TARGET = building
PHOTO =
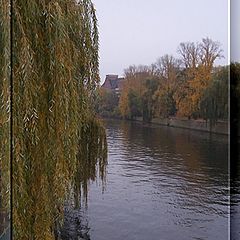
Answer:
(113, 83)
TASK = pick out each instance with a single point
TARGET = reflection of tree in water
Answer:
(75, 226)
(4, 224)
(196, 150)
(235, 197)
(235, 151)
(235, 181)
(194, 163)
(235, 173)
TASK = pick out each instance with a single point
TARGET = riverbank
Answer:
(221, 127)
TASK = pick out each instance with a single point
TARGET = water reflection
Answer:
(235, 200)
(162, 183)
(4, 225)
(191, 165)
(75, 225)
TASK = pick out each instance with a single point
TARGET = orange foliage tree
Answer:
(198, 61)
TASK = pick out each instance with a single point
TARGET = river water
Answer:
(162, 183)
(235, 198)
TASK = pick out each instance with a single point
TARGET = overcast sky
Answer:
(140, 31)
(235, 30)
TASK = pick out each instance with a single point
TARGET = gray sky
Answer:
(235, 30)
(140, 31)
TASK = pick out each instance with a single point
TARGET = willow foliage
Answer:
(55, 72)
(4, 105)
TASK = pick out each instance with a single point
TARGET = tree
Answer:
(57, 139)
(135, 77)
(135, 104)
(123, 101)
(4, 112)
(198, 60)
(209, 51)
(168, 71)
(148, 98)
(189, 52)
(214, 102)
(107, 103)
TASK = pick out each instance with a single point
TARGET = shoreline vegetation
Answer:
(188, 91)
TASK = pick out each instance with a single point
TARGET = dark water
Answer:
(162, 183)
(235, 200)
(4, 225)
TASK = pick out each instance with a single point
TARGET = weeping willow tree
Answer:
(4, 113)
(214, 100)
(58, 143)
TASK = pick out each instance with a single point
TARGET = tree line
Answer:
(189, 86)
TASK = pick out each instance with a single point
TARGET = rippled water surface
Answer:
(162, 183)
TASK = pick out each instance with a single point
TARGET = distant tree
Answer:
(214, 101)
(198, 60)
(148, 99)
(175, 86)
(168, 70)
(135, 104)
(107, 103)
(134, 86)
(123, 102)
(189, 52)
(209, 51)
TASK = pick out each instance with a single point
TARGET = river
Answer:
(162, 183)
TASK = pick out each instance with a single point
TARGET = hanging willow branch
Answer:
(92, 150)
(57, 139)
(4, 109)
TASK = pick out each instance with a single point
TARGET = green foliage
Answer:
(214, 103)
(57, 139)
(168, 69)
(135, 104)
(166, 104)
(151, 86)
(107, 103)
(137, 98)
